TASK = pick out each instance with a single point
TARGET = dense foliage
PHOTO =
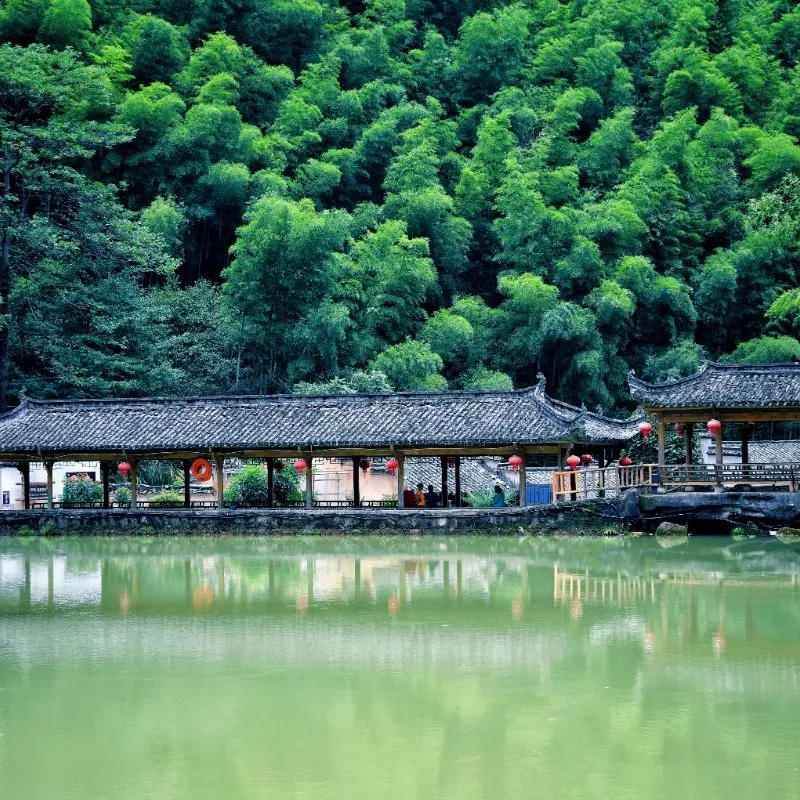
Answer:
(246, 195)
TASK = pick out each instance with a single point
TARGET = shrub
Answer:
(166, 497)
(251, 486)
(484, 498)
(123, 495)
(81, 489)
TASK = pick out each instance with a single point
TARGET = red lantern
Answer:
(645, 428)
(515, 462)
(625, 461)
(365, 465)
(573, 462)
(451, 462)
(392, 466)
(279, 466)
(587, 459)
(679, 429)
(124, 467)
(714, 426)
(300, 465)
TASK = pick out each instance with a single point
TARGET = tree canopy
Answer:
(325, 196)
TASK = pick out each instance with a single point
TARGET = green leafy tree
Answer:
(411, 366)
(66, 23)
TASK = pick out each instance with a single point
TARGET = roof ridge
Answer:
(269, 398)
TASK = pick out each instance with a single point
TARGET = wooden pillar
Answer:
(309, 481)
(134, 482)
(444, 481)
(458, 482)
(745, 443)
(104, 470)
(25, 471)
(219, 481)
(718, 445)
(270, 483)
(356, 483)
(688, 440)
(48, 465)
(401, 478)
(661, 442)
(187, 483)
(523, 482)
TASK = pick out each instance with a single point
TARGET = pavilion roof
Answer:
(466, 419)
(284, 422)
(716, 385)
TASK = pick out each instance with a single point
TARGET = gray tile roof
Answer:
(779, 451)
(284, 421)
(724, 386)
(423, 419)
(594, 426)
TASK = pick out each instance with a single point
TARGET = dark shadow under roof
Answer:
(717, 385)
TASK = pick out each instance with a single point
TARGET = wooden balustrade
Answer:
(594, 483)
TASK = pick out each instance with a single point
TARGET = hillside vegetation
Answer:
(260, 196)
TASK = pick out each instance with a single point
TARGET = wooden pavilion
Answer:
(449, 425)
(726, 393)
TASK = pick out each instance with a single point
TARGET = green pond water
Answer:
(399, 668)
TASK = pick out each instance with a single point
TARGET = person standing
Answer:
(419, 496)
(431, 497)
(499, 499)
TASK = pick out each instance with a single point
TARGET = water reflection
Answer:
(410, 668)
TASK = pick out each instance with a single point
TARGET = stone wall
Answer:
(288, 521)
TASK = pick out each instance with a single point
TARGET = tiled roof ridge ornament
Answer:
(23, 394)
(541, 383)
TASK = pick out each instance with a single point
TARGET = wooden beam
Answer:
(688, 441)
(105, 469)
(219, 480)
(661, 442)
(444, 481)
(718, 447)
(401, 479)
(782, 414)
(25, 471)
(270, 483)
(745, 443)
(356, 482)
(309, 480)
(48, 465)
(134, 482)
(523, 482)
(458, 481)
(187, 483)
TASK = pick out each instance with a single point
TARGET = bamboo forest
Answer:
(277, 196)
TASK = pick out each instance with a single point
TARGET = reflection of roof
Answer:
(422, 419)
(717, 385)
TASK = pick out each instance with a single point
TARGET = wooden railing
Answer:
(730, 474)
(590, 484)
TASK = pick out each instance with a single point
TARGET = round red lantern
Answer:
(392, 466)
(573, 461)
(515, 462)
(625, 461)
(586, 459)
(679, 429)
(279, 466)
(714, 426)
(365, 465)
(300, 465)
(645, 428)
(124, 467)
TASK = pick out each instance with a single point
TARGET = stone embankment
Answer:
(287, 521)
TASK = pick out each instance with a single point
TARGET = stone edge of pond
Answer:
(580, 519)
